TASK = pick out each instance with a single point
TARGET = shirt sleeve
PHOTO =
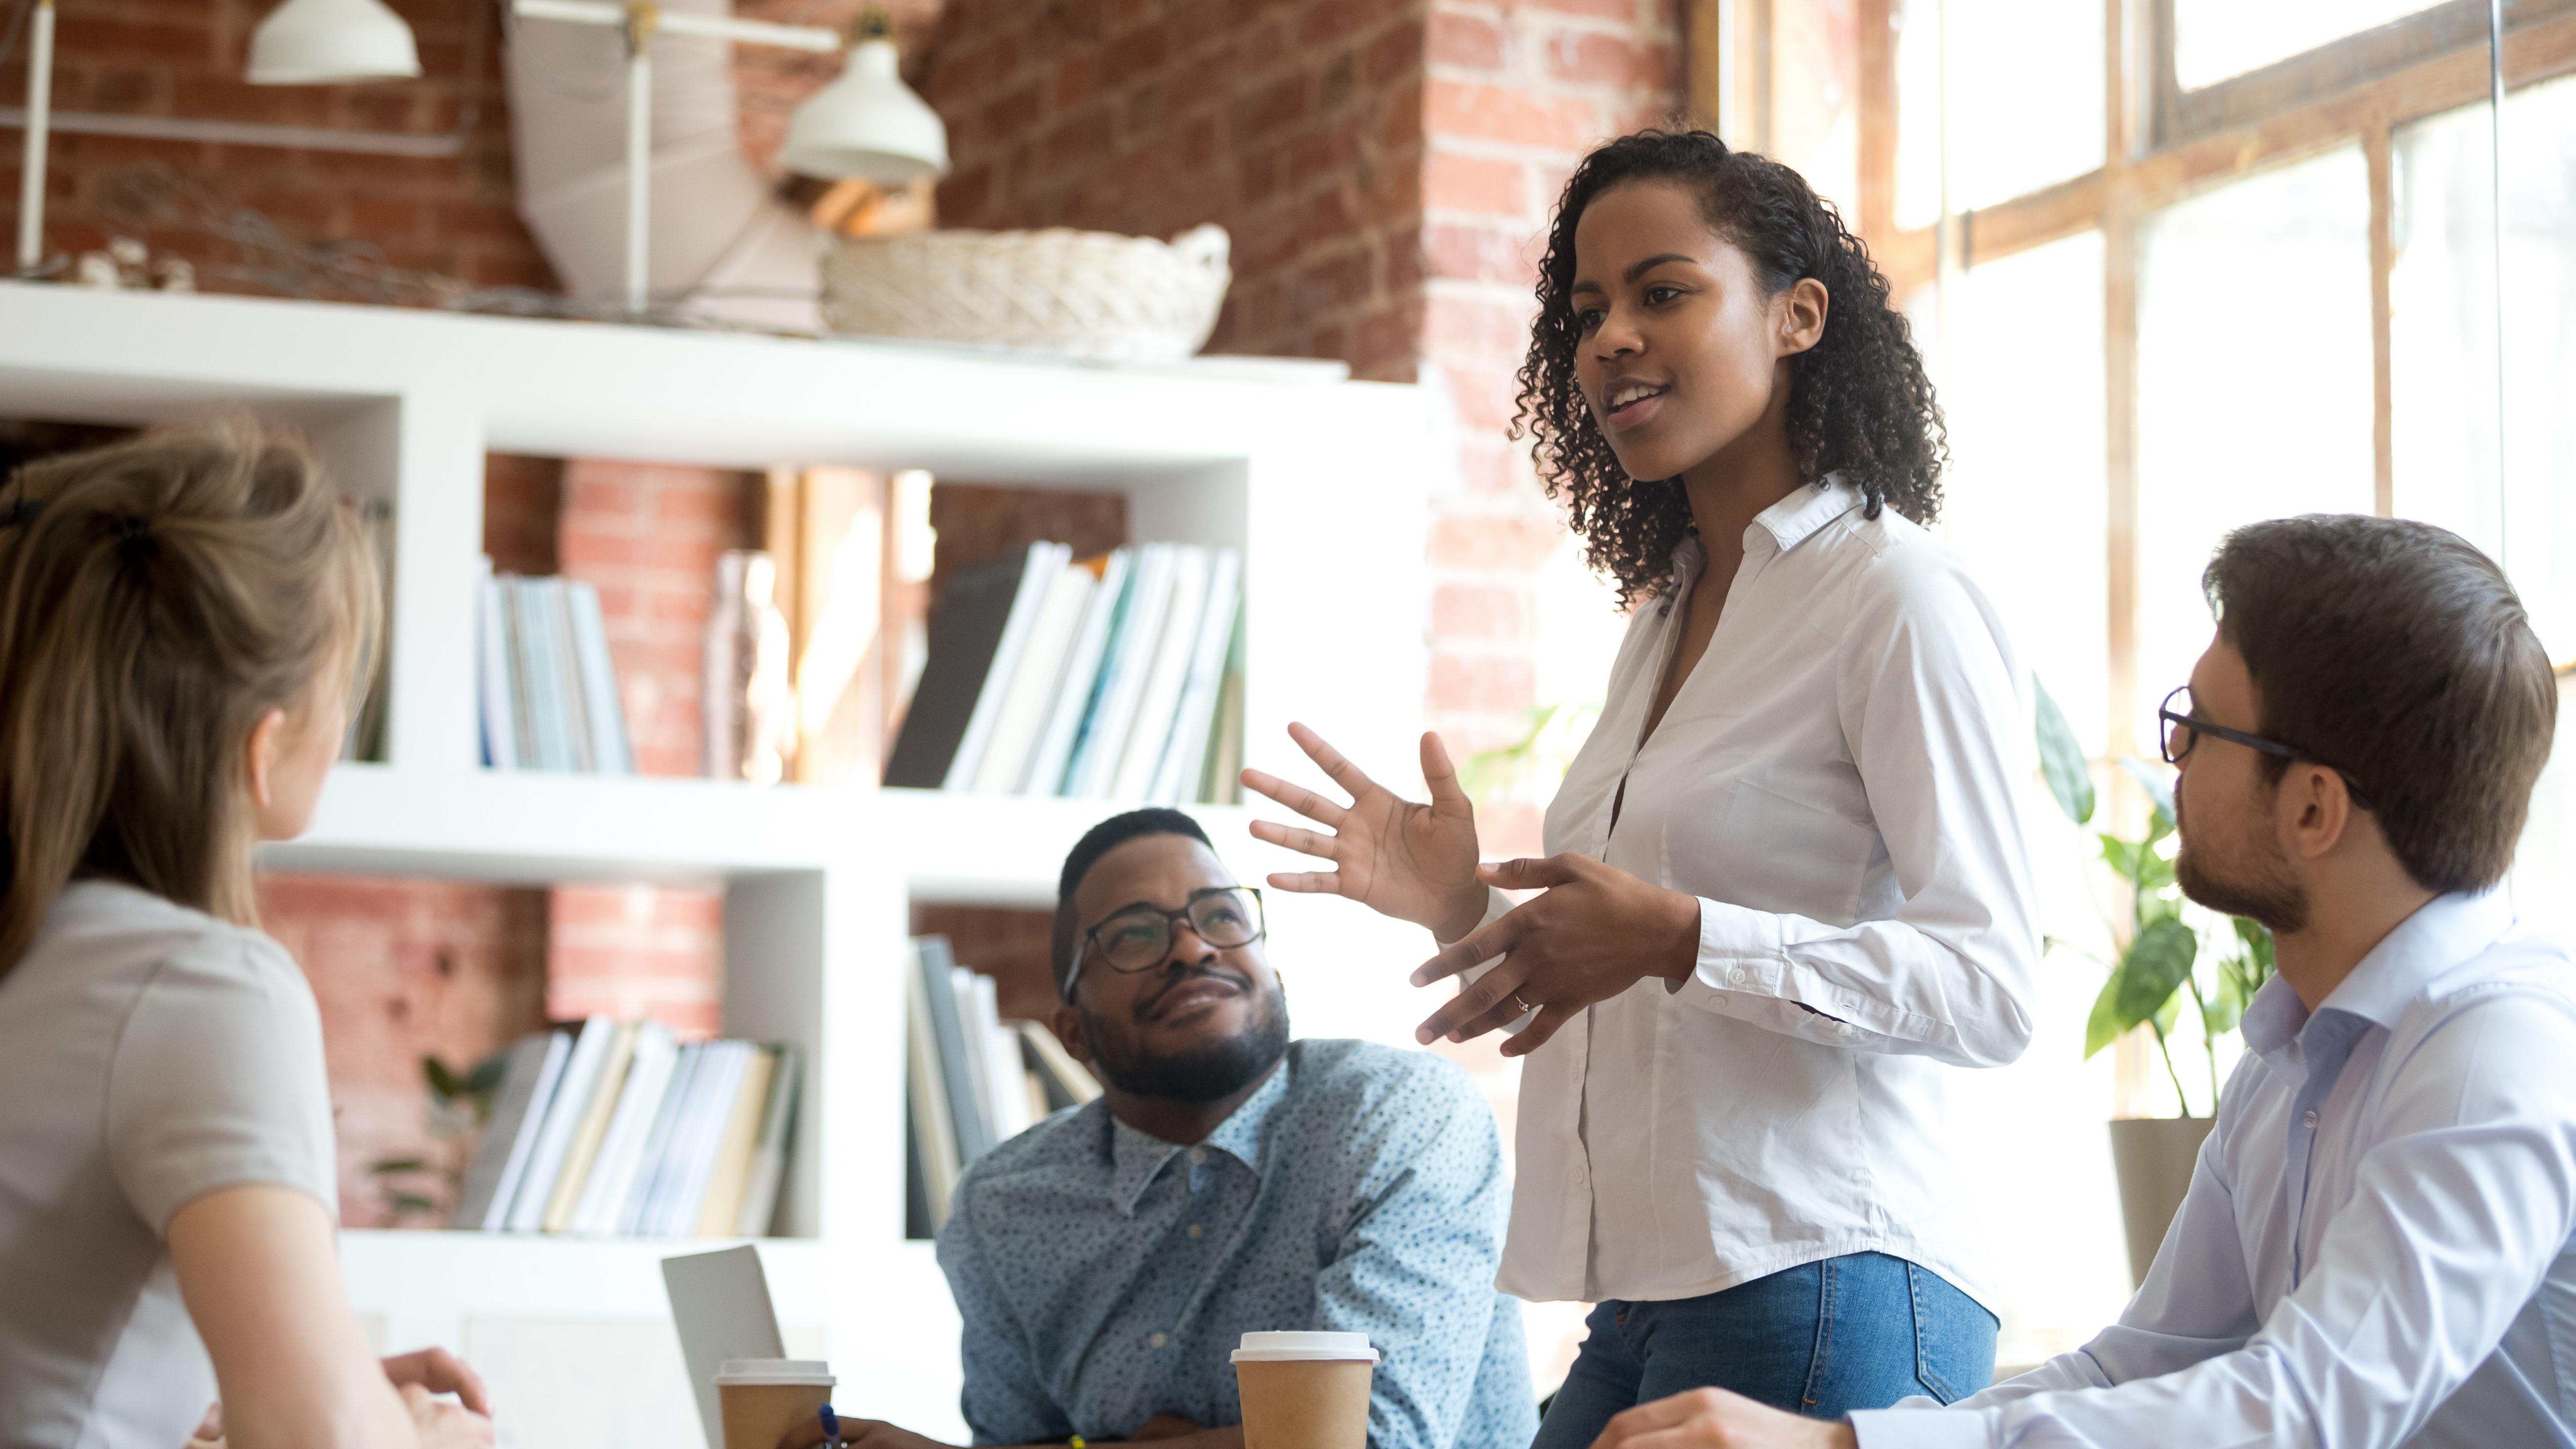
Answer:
(1413, 1267)
(218, 1081)
(2455, 1219)
(1002, 1400)
(1933, 715)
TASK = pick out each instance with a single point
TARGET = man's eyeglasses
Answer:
(2181, 732)
(1140, 938)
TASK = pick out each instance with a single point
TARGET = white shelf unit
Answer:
(1322, 483)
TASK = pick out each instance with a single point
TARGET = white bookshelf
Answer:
(1319, 481)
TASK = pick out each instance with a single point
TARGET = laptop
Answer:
(720, 1303)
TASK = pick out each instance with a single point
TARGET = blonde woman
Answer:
(180, 617)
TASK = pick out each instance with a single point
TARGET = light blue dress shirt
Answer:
(1105, 1276)
(2375, 1248)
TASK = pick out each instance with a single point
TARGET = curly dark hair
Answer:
(1859, 402)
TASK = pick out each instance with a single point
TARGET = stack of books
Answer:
(548, 691)
(974, 1080)
(623, 1131)
(1116, 677)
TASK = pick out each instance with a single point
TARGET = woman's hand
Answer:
(440, 1372)
(1413, 862)
(1716, 1419)
(1595, 932)
(445, 1423)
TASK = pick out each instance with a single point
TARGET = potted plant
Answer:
(2159, 957)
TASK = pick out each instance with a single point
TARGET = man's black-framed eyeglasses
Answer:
(2180, 731)
(1140, 937)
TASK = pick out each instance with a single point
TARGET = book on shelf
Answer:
(1098, 678)
(972, 1080)
(623, 1130)
(546, 686)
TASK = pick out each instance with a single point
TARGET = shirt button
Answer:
(1198, 1155)
(1736, 976)
(1158, 1340)
(2309, 1120)
(1196, 1231)
(1848, 1029)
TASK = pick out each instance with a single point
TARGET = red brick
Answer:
(1606, 9)
(1494, 542)
(1482, 682)
(1468, 42)
(1464, 109)
(1590, 57)
(1481, 253)
(1477, 327)
(1461, 611)
(1483, 394)
(1452, 182)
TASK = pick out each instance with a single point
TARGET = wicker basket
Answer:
(1082, 293)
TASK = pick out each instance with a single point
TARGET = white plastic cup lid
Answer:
(750, 1372)
(1292, 1347)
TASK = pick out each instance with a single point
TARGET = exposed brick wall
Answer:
(1296, 126)
(453, 216)
(405, 970)
(648, 536)
(637, 951)
(1515, 94)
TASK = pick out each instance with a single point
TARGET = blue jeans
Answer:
(1822, 1339)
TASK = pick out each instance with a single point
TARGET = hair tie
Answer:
(133, 536)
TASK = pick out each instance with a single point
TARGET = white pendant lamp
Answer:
(322, 42)
(868, 123)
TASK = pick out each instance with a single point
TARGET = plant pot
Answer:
(2153, 1157)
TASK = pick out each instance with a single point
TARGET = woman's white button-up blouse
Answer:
(1836, 782)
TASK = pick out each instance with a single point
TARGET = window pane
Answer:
(2215, 39)
(2019, 366)
(2443, 341)
(2025, 100)
(2254, 383)
(2018, 360)
(1815, 97)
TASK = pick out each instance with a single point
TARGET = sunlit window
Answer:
(2216, 39)
(2254, 382)
(2024, 99)
(2018, 361)
(2443, 341)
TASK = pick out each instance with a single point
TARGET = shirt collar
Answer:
(1794, 519)
(1137, 1158)
(2446, 931)
(1789, 522)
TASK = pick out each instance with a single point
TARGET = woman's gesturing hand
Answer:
(1413, 862)
(1595, 932)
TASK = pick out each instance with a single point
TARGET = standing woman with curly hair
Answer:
(1787, 885)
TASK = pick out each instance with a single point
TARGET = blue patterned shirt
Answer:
(1105, 1275)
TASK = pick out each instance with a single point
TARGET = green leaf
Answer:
(2061, 758)
(2153, 968)
(392, 1166)
(410, 1202)
(441, 1080)
(486, 1077)
(2159, 788)
(2103, 1027)
(2258, 948)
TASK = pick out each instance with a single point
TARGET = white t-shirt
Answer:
(149, 1055)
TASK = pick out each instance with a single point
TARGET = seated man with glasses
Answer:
(1107, 1261)
(2379, 1244)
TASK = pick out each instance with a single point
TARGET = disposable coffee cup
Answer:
(1303, 1390)
(763, 1398)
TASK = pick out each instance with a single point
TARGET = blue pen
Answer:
(831, 1429)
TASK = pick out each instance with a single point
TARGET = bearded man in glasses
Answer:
(1107, 1261)
(2379, 1243)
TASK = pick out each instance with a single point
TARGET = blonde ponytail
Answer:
(157, 599)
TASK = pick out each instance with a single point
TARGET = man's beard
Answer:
(1207, 1072)
(2250, 880)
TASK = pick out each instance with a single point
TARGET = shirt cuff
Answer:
(1744, 971)
(1930, 1427)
